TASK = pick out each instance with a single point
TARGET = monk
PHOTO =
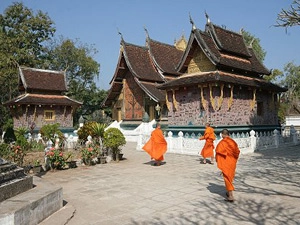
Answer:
(227, 154)
(208, 149)
(156, 146)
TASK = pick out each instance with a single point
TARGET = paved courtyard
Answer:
(182, 191)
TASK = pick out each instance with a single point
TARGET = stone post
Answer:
(252, 140)
(180, 144)
(170, 141)
(293, 134)
(276, 138)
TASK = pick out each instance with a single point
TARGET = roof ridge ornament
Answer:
(207, 17)
(192, 22)
(147, 33)
(122, 39)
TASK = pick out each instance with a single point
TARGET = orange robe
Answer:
(157, 145)
(209, 137)
(227, 154)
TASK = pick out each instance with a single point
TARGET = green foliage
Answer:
(98, 130)
(114, 139)
(21, 140)
(86, 130)
(22, 35)
(51, 131)
(292, 80)
(4, 150)
(253, 41)
(81, 70)
(275, 76)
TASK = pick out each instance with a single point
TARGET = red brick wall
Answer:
(240, 112)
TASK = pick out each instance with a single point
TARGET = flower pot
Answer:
(88, 162)
(102, 159)
(37, 169)
(72, 164)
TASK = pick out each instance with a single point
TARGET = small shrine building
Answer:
(42, 100)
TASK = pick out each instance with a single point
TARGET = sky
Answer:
(97, 23)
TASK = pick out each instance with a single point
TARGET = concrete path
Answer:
(182, 191)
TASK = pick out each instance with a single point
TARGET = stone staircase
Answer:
(24, 199)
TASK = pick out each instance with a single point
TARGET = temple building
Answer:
(42, 100)
(139, 70)
(214, 77)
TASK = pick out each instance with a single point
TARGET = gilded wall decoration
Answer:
(174, 100)
(220, 100)
(203, 101)
(212, 100)
(230, 100)
(252, 102)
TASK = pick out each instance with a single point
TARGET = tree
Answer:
(81, 69)
(22, 35)
(254, 42)
(290, 99)
(289, 17)
(275, 75)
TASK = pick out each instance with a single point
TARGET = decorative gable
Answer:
(200, 63)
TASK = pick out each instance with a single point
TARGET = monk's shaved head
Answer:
(225, 132)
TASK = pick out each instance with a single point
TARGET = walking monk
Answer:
(227, 154)
(208, 149)
(156, 146)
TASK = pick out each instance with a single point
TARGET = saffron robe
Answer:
(209, 137)
(157, 145)
(227, 154)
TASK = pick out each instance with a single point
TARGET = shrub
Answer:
(114, 139)
(56, 158)
(50, 131)
(88, 154)
(86, 130)
(17, 154)
(4, 150)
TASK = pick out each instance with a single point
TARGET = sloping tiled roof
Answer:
(219, 76)
(165, 56)
(45, 80)
(40, 99)
(228, 41)
(223, 52)
(139, 63)
(152, 91)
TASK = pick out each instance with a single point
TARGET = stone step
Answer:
(32, 206)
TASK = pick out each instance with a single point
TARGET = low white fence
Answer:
(247, 142)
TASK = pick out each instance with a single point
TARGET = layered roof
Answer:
(42, 87)
(150, 65)
(160, 65)
(220, 76)
(165, 56)
(225, 49)
(40, 99)
(42, 80)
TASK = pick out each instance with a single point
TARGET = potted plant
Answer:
(55, 159)
(37, 167)
(70, 161)
(88, 155)
(114, 139)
